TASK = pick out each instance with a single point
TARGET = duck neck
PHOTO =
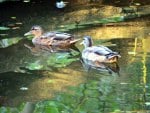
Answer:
(89, 44)
(38, 34)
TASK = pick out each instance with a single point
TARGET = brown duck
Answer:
(52, 41)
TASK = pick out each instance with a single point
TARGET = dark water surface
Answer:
(73, 87)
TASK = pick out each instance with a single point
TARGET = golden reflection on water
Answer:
(53, 82)
(135, 46)
(111, 32)
(88, 13)
(144, 61)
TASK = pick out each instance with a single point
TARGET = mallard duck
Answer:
(97, 54)
(53, 41)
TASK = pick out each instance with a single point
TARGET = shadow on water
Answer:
(11, 84)
(63, 81)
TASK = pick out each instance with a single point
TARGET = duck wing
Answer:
(104, 51)
(48, 35)
(62, 36)
(57, 35)
(104, 48)
(100, 50)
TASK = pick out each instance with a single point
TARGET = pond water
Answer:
(60, 83)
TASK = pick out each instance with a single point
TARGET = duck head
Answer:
(87, 41)
(36, 30)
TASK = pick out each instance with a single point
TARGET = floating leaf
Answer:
(117, 110)
(112, 19)
(119, 18)
(3, 34)
(35, 65)
(13, 17)
(50, 81)
(51, 109)
(62, 26)
(18, 23)
(26, 1)
(15, 27)
(147, 103)
(137, 4)
(123, 83)
(4, 28)
(23, 88)
(131, 53)
(11, 25)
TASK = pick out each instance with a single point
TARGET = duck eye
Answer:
(34, 29)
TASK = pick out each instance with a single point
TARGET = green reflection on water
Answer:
(51, 60)
(9, 41)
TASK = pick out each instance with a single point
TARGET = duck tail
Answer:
(114, 54)
(112, 57)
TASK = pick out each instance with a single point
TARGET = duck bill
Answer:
(81, 43)
(28, 33)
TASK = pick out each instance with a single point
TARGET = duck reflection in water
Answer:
(102, 67)
(51, 41)
(98, 56)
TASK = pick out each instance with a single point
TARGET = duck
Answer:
(97, 54)
(53, 41)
